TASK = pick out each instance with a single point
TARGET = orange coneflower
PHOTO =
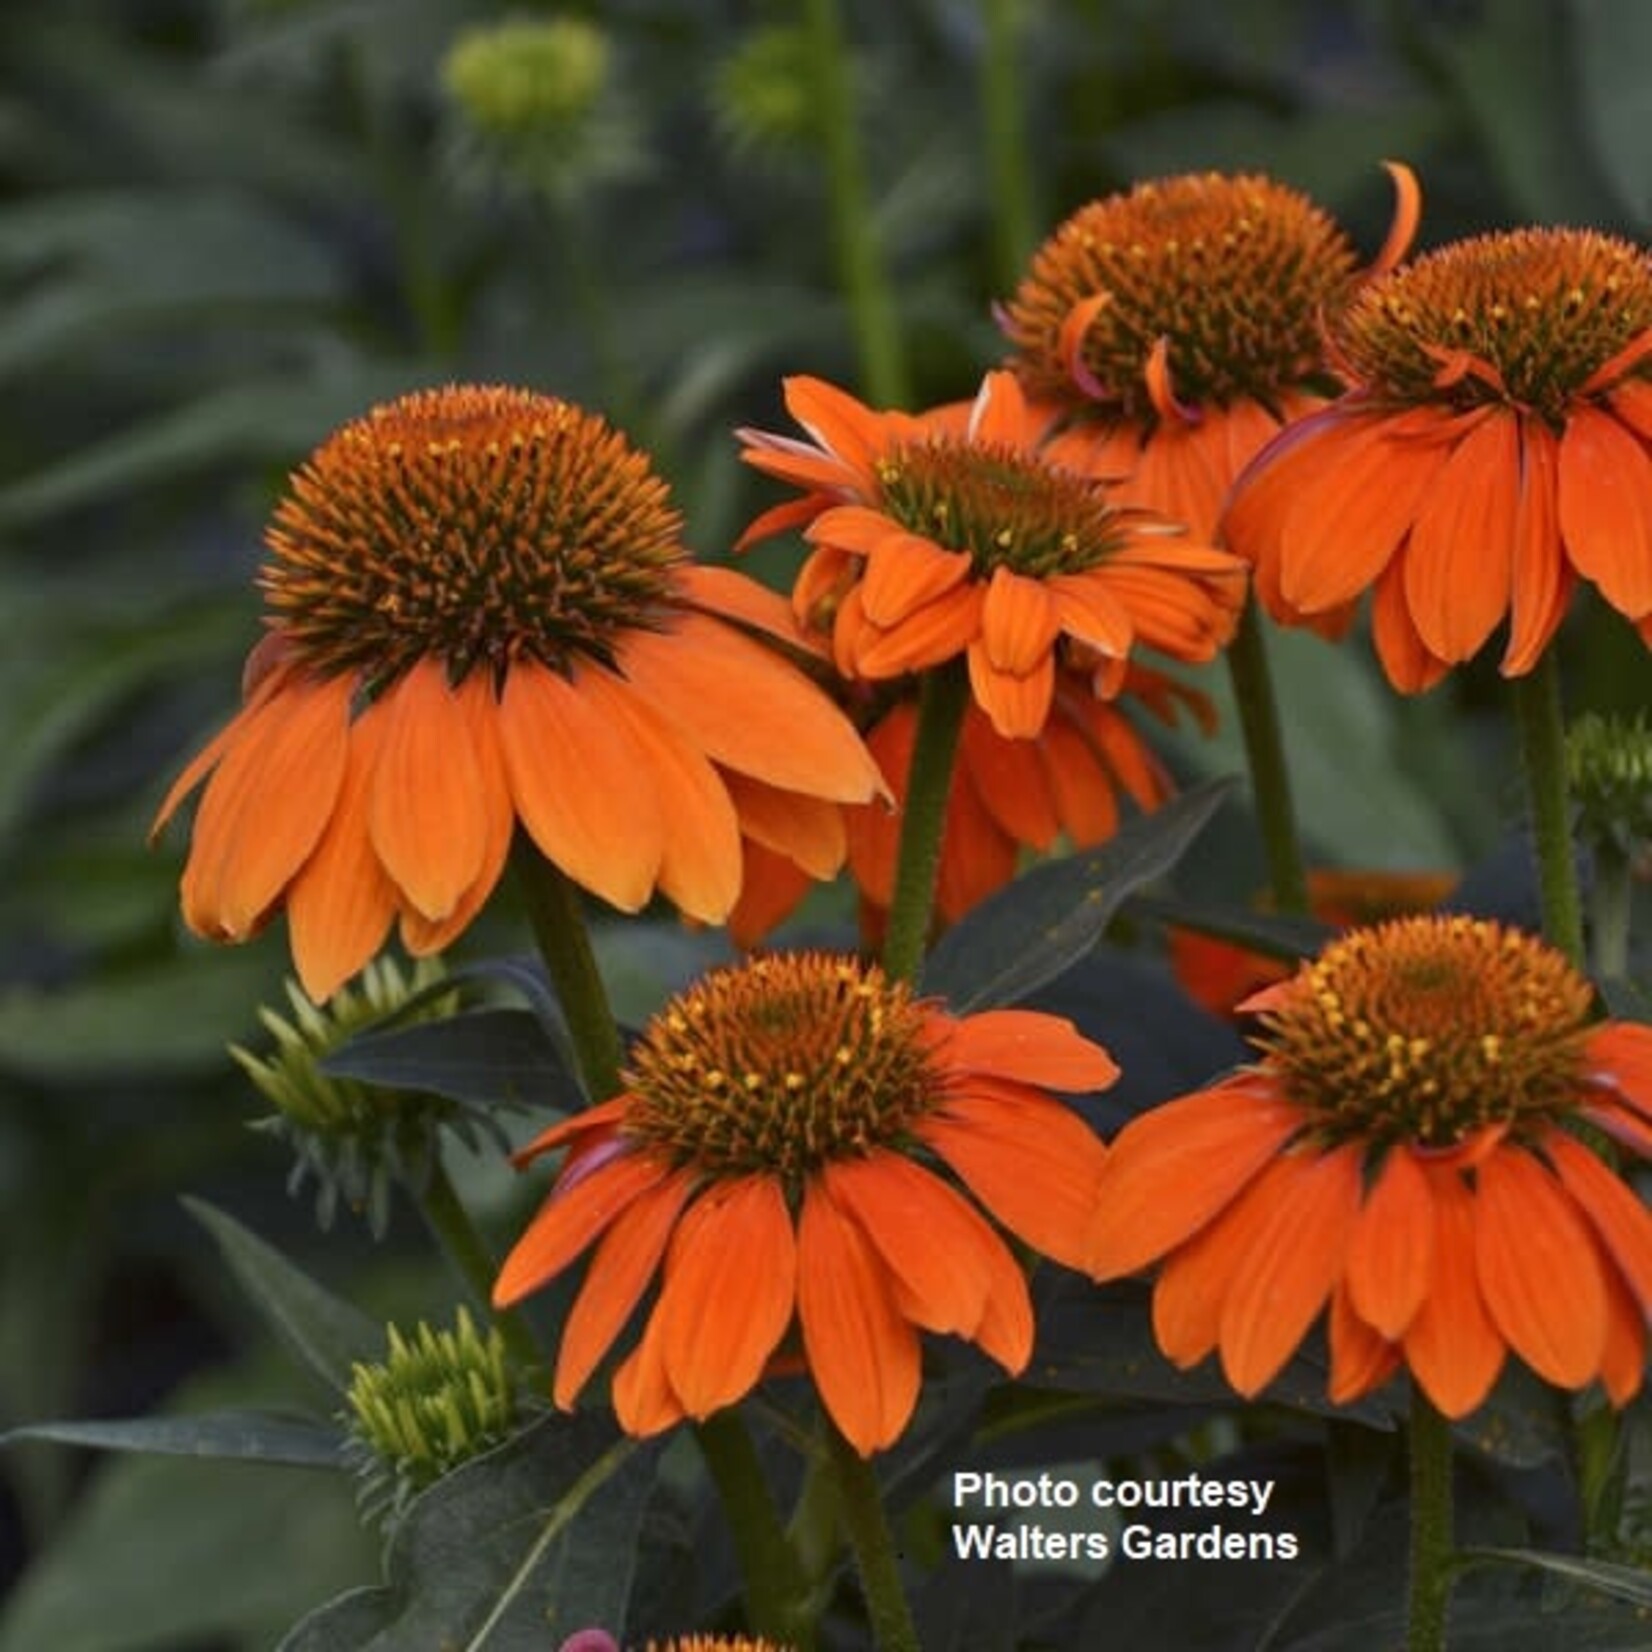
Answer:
(481, 612)
(1219, 975)
(937, 537)
(1407, 1153)
(1175, 327)
(780, 1155)
(1006, 796)
(1495, 443)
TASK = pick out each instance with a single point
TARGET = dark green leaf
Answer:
(1273, 935)
(1630, 1583)
(494, 1058)
(510, 1553)
(243, 1436)
(323, 1330)
(1026, 935)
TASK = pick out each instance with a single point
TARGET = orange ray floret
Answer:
(777, 1161)
(939, 538)
(481, 615)
(1406, 1154)
(1490, 450)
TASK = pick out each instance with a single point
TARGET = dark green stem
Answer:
(1610, 903)
(860, 265)
(941, 704)
(1004, 119)
(1430, 1583)
(558, 921)
(862, 1506)
(1270, 778)
(471, 1256)
(1543, 751)
(777, 1592)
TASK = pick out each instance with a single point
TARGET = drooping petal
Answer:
(862, 1352)
(1621, 1222)
(1606, 508)
(1542, 576)
(1618, 1056)
(569, 1220)
(1391, 1251)
(977, 857)
(1089, 612)
(1451, 1346)
(644, 1401)
(841, 424)
(1538, 1269)
(623, 1263)
(1031, 1161)
(581, 785)
(1623, 1360)
(1361, 1358)
(904, 573)
(735, 596)
(940, 630)
(1405, 658)
(1172, 1169)
(1019, 705)
(807, 831)
(1031, 1047)
(1019, 622)
(730, 1285)
(1289, 1266)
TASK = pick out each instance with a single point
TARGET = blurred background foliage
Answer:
(228, 225)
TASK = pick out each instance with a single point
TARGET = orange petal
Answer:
(1391, 1251)
(748, 710)
(621, 1267)
(644, 1401)
(841, 424)
(1289, 1266)
(1088, 611)
(1612, 1208)
(777, 519)
(1030, 1047)
(1018, 705)
(1619, 1056)
(1010, 781)
(1623, 1362)
(1538, 1267)
(904, 573)
(1458, 563)
(569, 1132)
(340, 905)
(940, 630)
(1542, 576)
(1085, 800)
(569, 1220)
(1408, 207)
(808, 831)
(1451, 1346)
(730, 1284)
(1405, 657)
(772, 887)
(1019, 622)
(1031, 1161)
(1361, 1358)
(266, 806)
(733, 595)
(930, 1239)
(1606, 508)
(1181, 474)
(1172, 1169)
(977, 857)
(872, 832)
(425, 812)
(582, 786)
(1000, 415)
(862, 1351)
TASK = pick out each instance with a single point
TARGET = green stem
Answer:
(777, 1592)
(942, 702)
(471, 1256)
(1543, 750)
(1430, 1583)
(1009, 170)
(558, 922)
(860, 268)
(862, 1505)
(1270, 778)
(1610, 903)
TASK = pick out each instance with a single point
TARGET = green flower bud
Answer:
(763, 95)
(1609, 776)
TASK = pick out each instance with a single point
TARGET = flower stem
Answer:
(448, 1219)
(860, 268)
(1270, 778)
(777, 1592)
(1610, 901)
(942, 702)
(1543, 751)
(558, 922)
(1430, 1584)
(862, 1507)
(1003, 116)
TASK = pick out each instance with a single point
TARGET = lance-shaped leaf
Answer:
(231, 1436)
(1027, 934)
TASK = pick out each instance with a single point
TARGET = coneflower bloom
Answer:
(1175, 327)
(783, 1156)
(1006, 797)
(1494, 444)
(1408, 1156)
(937, 537)
(481, 613)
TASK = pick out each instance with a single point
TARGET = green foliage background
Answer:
(228, 225)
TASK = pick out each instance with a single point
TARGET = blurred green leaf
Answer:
(239, 1436)
(1027, 934)
(324, 1331)
(510, 1553)
(1629, 1583)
